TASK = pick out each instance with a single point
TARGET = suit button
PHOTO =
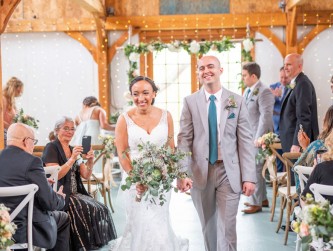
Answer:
(207, 159)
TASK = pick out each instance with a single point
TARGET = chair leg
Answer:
(109, 196)
(287, 222)
(273, 199)
(282, 206)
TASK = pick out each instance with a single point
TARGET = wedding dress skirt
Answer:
(148, 225)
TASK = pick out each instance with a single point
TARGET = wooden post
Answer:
(2, 140)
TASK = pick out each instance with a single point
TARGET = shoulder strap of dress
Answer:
(91, 111)
(127, 118)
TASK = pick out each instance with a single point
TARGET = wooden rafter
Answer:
(6, 10)
(120, 41)
(84, 41)
(93, 6)
(293, 3)
(310, 36)
(274, 39)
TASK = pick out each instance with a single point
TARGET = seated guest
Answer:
(323, 172)
(308, 155)
(19, 167)
(91, 222)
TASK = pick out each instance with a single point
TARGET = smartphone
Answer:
(318, 155)
(86, 144)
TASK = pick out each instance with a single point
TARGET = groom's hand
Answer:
(248, 188)
(184, 184)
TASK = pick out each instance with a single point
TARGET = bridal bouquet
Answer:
(314, 224)
(156, 168)
(26, 119)
(265, 141)
(7, 229)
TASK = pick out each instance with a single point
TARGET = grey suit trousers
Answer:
(217, 207)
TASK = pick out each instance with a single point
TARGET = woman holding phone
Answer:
(310, 149)
(91, 222)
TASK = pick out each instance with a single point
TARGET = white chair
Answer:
(54, 172)
(29, 191)
(301, 171)
(319, 190)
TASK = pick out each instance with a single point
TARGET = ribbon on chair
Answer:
(270, 165)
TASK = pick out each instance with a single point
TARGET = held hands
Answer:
(184, 184)
(257, 144)
(140, 189)
(61, 193)
(248, 188)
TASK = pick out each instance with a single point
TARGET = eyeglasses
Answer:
(67, 129)
(35, 141)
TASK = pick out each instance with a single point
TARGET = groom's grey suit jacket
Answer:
(235, 136)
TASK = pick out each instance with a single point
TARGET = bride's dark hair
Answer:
(150, 81)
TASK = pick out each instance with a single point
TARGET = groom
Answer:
(214, 126)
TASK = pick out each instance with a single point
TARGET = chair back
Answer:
(319, 190)
(38, 151)
(287, 160)
(54, 172)
(29, 191)
(302, 171)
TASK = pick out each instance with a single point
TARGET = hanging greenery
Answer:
(248, 45)
(133, 52)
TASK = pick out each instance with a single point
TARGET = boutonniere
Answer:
(231, 103)
(291, 85)
(255, 92)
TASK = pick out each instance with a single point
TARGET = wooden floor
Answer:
(255, 232)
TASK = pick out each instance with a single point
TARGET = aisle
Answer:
(255, 232)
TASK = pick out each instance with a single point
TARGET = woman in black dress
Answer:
(91, 222)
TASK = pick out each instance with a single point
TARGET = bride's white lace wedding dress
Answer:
(147, 225)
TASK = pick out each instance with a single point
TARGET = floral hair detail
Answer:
(231, 103)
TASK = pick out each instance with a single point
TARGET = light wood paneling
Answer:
(251, 6)
(137, 7)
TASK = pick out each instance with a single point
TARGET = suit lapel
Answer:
(224, 112)
(202, 108)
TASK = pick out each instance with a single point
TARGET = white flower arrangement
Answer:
(248, 44)
(7, 228)
(194, 47)
(134, 57)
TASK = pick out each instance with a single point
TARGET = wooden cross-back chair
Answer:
(276, 178)
(288, 193)
(101, 181)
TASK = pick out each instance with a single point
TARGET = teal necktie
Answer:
(247, 94)
(212, 122)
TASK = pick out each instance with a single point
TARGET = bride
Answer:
(147, 225)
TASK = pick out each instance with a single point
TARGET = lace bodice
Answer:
(137, 135)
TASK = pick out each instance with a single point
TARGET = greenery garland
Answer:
(133, 51)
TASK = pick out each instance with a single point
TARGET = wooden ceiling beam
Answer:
(274, 39)
(293, 3)
(183, 22)
(200, 21)
(310, 36)
(95, 7)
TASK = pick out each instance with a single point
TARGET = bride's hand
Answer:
(140, 188)
(184, 184)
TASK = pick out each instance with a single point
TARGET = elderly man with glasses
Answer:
(19, 167)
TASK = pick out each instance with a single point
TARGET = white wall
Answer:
(57, 72)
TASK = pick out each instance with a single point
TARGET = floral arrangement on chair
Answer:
(265, 141)
(7, 228)
(109, 146)
(156, 168)
(21, 117)
(314, 224)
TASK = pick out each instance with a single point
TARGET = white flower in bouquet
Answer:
(194, 47)
(248, 44)
(156, 168)
(7, 228)
(134, 57)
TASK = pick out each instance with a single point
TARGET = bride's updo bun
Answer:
(148, 80)
(91, 101)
